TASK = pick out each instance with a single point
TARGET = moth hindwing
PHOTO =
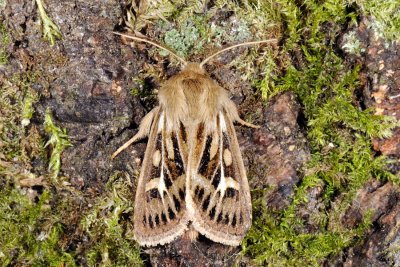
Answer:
(192, 174)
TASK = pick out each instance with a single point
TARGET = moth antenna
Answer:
(237, 45)
(152, 43)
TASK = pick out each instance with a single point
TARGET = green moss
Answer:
(109, 226)
(58, 141)
(326, 90)
(16, 100)
(339, 135)
(4, 41)
(25, 238)
(141, 13)
(254, 19)
(278, 244)
(266, 86)
(385, 16)
(27, 109)
(280, 239)
(29, 231)
(51, 32)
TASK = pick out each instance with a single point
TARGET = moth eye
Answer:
(156, 158)
(227, 157)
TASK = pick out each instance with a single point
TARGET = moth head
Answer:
(194, 68)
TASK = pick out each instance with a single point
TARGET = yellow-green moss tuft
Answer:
(58, 141)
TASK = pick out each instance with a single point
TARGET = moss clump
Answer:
(339, 133)
(16, 100)
(29, 231)
(58, 141)
(4, 41)
(109, 226)
(27, 110)
(25, 237)
(278, 241)
(51, 32)
(33, 218)
(385, 16)
(140, 14)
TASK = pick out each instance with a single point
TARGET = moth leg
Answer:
(232, 112)
(144, 130)
(248, 124)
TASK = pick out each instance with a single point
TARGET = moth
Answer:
(192, 177)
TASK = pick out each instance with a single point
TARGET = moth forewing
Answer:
(159, 213)
(236, 154)
(219, 196)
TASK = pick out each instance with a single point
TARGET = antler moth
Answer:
(192, 175)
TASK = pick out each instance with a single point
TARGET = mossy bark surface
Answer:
(324, 168)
